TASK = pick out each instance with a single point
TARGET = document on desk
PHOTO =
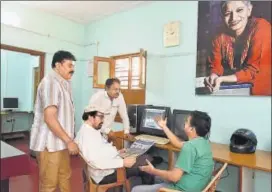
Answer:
(138, 148)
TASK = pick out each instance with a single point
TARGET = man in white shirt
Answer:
(111, 99)
(99, 153)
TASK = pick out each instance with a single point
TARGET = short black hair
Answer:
(86, 115)
(110, 81)
(201, 121)
(61, 55)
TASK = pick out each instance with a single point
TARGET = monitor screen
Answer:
(179, 118)
(150, 115)
(135, 112)
(10, 103)
(149, 125)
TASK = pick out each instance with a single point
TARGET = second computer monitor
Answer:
(148, 123)
(179, 118)
(135, 112)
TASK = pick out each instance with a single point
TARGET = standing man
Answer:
(111, 99)
(53, 129)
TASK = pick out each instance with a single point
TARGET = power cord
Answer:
(227, 169)
(223, 177)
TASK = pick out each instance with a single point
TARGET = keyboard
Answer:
(156, 139)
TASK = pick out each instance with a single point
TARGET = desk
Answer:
(247, 163)
(13, 163)
(15, 124)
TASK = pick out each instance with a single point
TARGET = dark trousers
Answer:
(130, 172)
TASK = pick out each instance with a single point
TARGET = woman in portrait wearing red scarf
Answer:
(242, 52)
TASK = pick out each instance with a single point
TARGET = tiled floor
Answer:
(29, 183)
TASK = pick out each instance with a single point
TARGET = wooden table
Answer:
(13, 163)
(247, 163)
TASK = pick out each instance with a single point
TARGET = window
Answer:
(129, 69)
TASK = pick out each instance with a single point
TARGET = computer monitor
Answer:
(179, 117)
(10, 103)
(135, 112)
(132, 114)
(148, 123)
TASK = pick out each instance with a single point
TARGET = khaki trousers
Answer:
(54, 171)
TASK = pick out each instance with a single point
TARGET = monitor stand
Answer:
(133, 130)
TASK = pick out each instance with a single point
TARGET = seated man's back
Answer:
(196, 161)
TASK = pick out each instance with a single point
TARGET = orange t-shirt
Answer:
(254, 63)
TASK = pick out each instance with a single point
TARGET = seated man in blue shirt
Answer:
(194, 166)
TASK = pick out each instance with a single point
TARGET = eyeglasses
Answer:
(117, 90)
(101, 116)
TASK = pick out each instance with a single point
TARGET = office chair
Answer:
(90, 186)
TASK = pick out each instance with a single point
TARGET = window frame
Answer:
(142, 60)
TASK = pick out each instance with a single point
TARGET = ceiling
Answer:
(81, 11)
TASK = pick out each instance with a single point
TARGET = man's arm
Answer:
(173, 138)
(173, 175)
(123, 113)
(88, 146)
(170, 135)
(184, 163)
(51, 119)
(50, 95)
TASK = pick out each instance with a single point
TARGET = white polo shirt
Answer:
(100, 154)
(102, 99)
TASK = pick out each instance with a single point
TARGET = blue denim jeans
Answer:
(149, 188)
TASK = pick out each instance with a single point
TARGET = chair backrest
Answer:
(217, 175)
(85, 175)
(118, 142)
(90, 186)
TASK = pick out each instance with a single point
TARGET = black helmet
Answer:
(243, 141)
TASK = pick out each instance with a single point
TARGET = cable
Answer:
(226, 175)
(179, 54)
(223, 177)
(54, 37)
(48, 35)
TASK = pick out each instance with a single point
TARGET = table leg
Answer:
(246, 177)
(170, 159)
(5, 185)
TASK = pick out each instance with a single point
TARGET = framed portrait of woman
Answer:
(234, 48)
